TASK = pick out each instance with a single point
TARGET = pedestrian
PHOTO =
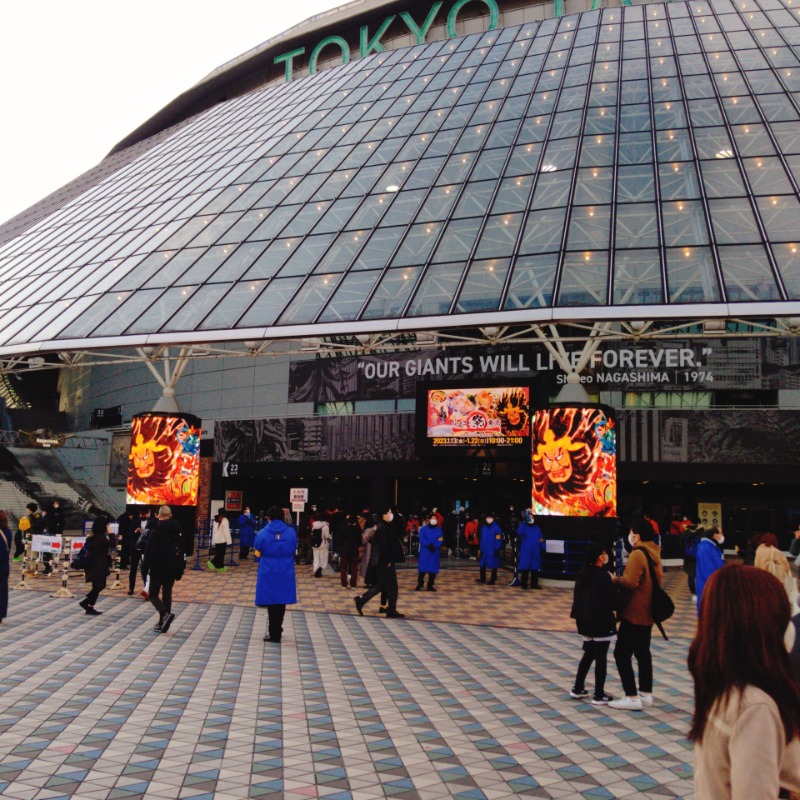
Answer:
(164, 562)
(247, 533)
(389, 550)
(127, 537)
(690, 540)
(29, 525)
(709, 558)
(54, 519)
(633, 636)
(349, 537)
(142, 532)
(220, 539)
(99, 564)
(471, 535)
(276, 585)
(794, 547)
(491, 539)
(369, 553)
(531, 542)
(5, 563)
(771, 559)
(320, 543)
(431, 538)
(746, 723)
(595, 599)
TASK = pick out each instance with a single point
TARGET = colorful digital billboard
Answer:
(574, 461)
(164, 461)
(496, 416)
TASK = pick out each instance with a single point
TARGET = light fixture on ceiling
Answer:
(638, 325)
(393, 188)
(724, 154)
(714, 326)
(311, 345)
(548, 168)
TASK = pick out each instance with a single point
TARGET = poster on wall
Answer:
(574, 461)
(164, 460)
(495, 417)
(710, 514)
(118, 459)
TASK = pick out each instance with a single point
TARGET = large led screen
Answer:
(478, 417)
(574, 461)
(164, 462)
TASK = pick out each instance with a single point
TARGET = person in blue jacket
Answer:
(247, 533)
(431, 538)
(531, 541)
(709, 558)
(491, 536)
(276, 586)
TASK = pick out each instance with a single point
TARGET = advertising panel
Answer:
(574, 461)
(164, 461)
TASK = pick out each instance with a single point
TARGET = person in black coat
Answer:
(163, 561)
(96, 573)
(127, 538)
(594, 602)
(390, 551)
(349, 539)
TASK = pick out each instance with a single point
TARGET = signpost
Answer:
(298, 498)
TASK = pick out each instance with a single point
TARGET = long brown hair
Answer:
(743, 617)
(3, 519)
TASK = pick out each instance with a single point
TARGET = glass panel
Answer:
(552, 189)
(475, 199)
(684, 223)
(788, 258)
(532, 282)
(635, 183)
(417, 245)
(350, 297)
(543, 231)
(202, 305)
(134, 306)
(379, 248)
(392, 293)
(438, 204)
(307, 302)
(457, 240)
(589, 228)
(690, 276)
(678, 181)
(584, 277)
(781, 215)
(637, 225)
(483, 286)
(747, 274)
(594, 185)
(766, 175)
(110, 303)
(734, 222)
(271, 259)
(230, 307)
(637, 278)
(436, 290)
(270, 302)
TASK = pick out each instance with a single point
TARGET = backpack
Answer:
(661, 605)
(690, 544)
(25, 524)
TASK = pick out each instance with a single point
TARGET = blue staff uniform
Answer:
(430, 548)
(276, 587)
(709, 560)
(247, 534)
(531, 541)
(491, 537)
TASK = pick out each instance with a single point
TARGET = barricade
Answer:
(234, 535)
(202, 543)
(117, 565)
(66, 554)
(26, 539)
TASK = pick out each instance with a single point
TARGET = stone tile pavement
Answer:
(345, 707)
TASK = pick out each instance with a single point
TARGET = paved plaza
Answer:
(465, 698)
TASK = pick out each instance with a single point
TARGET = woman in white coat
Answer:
(220, 539)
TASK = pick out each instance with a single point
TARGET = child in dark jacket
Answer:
(594, 603)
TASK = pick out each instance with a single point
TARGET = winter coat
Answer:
(430, 538)
(5, 569)
(530, 547)
(349, 535)
(471, 532)
(491, 545)
(594, 600)
(709, 560)
(221, 532)
(275, 546)
(320, 534)
(96, 572)
(163, 552)
(636, 580)
(54, 521)
(247, 530)
(389, 546)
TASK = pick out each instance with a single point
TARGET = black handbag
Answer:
(661, 605)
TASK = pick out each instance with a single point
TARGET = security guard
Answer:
(431, 537)
(491, 544)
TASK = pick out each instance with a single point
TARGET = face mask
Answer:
(720, 539)
(388, 516)
(489, 520)
(433, 522)
(631, 541)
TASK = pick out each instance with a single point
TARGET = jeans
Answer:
(163, 586)
(275, 614)
(349, 562)
(597, 652)
(634, 640)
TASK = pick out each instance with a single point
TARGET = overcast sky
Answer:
(78, 76)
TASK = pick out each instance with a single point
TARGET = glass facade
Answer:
(640, 156)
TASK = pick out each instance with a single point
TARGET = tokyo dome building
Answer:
(596, 202)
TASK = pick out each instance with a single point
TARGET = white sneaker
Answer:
(627, 703)
(647, 699)
(694, 597)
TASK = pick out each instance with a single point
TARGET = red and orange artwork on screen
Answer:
(164, 462)
(574, 461)
(489, 417)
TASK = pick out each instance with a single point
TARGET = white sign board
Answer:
(77, 543)
(298, 496)
(298, 506)
(46, 544)
(554, 546)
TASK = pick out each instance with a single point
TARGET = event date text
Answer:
(477, 441)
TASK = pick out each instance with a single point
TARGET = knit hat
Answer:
(32, 507)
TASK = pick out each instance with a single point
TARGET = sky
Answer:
(77, 77)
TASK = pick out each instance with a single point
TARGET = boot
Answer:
(420, 581)
(493, 580)
(523, 579)
(482, 578)
(318, 573)
(431, 581)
